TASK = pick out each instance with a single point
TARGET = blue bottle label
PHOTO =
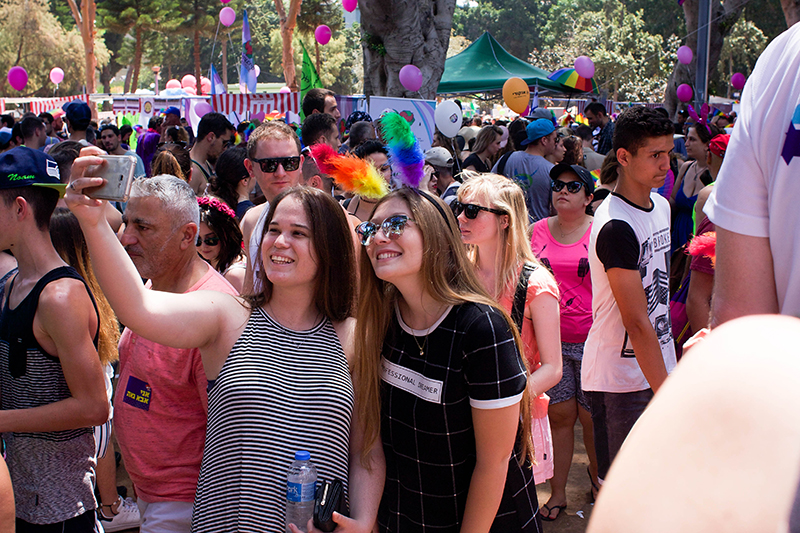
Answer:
(300, 492)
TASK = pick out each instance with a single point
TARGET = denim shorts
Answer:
(570, 385)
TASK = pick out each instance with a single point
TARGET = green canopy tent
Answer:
(485, 66)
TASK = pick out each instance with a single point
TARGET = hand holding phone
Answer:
(118, 171)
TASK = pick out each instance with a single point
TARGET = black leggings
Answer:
(80, 524)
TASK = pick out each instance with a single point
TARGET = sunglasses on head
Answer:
(572, 186)
(392, 228)
(270, 164)
(471, 211)
(211, 240)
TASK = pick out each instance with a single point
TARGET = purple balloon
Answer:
(411, 78)
(685, 92)
(227, 16)
(685, 55)
(349, 5)
(17, 78)
(738, 80)
(584, 67)
(203, 108)
(322, 34)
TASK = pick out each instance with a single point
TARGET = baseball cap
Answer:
(542, 112)
(537, 129)
(172, 110)
(5, 135)
(719, 144)
(584, 175)
(23, 167)
(439, 157)
(78, 113)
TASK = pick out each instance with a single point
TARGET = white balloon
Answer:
(448, 118)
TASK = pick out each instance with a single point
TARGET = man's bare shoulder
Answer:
(250, 218)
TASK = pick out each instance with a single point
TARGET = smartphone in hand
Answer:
(118, 171)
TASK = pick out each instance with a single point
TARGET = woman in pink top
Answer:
(561, 243)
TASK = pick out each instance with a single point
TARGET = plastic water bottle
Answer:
(301, 486)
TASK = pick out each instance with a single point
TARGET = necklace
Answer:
(421, 346)
(289, 331)
(561, 228)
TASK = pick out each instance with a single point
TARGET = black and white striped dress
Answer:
(279, 391)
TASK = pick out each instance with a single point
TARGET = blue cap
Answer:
(172, 110)
(541, 127)
(5, 135)
(78, 113)
(302, 456)
(23, 167)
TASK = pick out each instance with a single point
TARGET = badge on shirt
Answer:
(411, 381)
(137, 394)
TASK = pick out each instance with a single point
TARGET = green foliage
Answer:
(60, 9)
(316, 12)
(341, 59)
(739, 54)
(516, 25)
(33, 38)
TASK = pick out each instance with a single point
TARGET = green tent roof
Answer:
(485, 66)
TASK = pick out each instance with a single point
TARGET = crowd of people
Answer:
(432, 347)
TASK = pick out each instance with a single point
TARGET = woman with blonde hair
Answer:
(487, 144)
(440, 378)
(493, 220)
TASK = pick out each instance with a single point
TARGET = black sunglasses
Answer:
(392, 228)
(270, 164)
(211, 240)
(471, 210)
(572, 186)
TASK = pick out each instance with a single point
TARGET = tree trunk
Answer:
(791, 11)
(128, 75)
(84, 19)
(198, 70)
(723, 17)
(224, 64)
(402, 32)
(288, 23)
(137, 58)
(316, 49)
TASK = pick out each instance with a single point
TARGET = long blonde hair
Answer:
(67, 238)
(503, 194)
(450, 279)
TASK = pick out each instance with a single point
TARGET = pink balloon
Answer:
(190, 90)
(322, 34)
(584, 67)
(738, 80)
(349, 5)
(17, 78)
(685, 92)
(285, 90)
(189, 81)
(203, 108)
(56, 75)
(685, 55)
(258, 116)
(173, 84)
(411, 78)
(227, 16)
(224, 1)
(205, 85)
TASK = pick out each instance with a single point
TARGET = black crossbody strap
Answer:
(518, 309)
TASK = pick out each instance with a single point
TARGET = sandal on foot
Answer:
(595, 489)
(558, 508)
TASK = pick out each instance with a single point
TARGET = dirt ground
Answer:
(572, 520)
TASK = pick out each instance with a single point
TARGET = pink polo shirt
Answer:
(160, 411)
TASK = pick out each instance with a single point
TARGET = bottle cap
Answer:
(302, 456)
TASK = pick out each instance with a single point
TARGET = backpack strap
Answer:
(520, 295)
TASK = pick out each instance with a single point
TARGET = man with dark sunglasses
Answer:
(274, 160)
(214, 135)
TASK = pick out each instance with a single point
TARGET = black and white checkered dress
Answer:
(470, 360)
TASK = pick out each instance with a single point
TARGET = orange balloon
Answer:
(516, 94)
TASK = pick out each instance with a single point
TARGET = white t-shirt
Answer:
(758, 186)
(626, 236)
(255, 244)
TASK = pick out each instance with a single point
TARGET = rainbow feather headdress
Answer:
(354, 174)
(405, 154)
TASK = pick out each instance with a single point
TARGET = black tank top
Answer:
(16, 325)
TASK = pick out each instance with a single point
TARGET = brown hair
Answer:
(574, 150)
(608, 170)
(335, 288)
(67, 239)
(274, 130)
(449, 277)
(486, 137)
(172, 159)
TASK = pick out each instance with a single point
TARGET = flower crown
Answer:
(213, 203)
